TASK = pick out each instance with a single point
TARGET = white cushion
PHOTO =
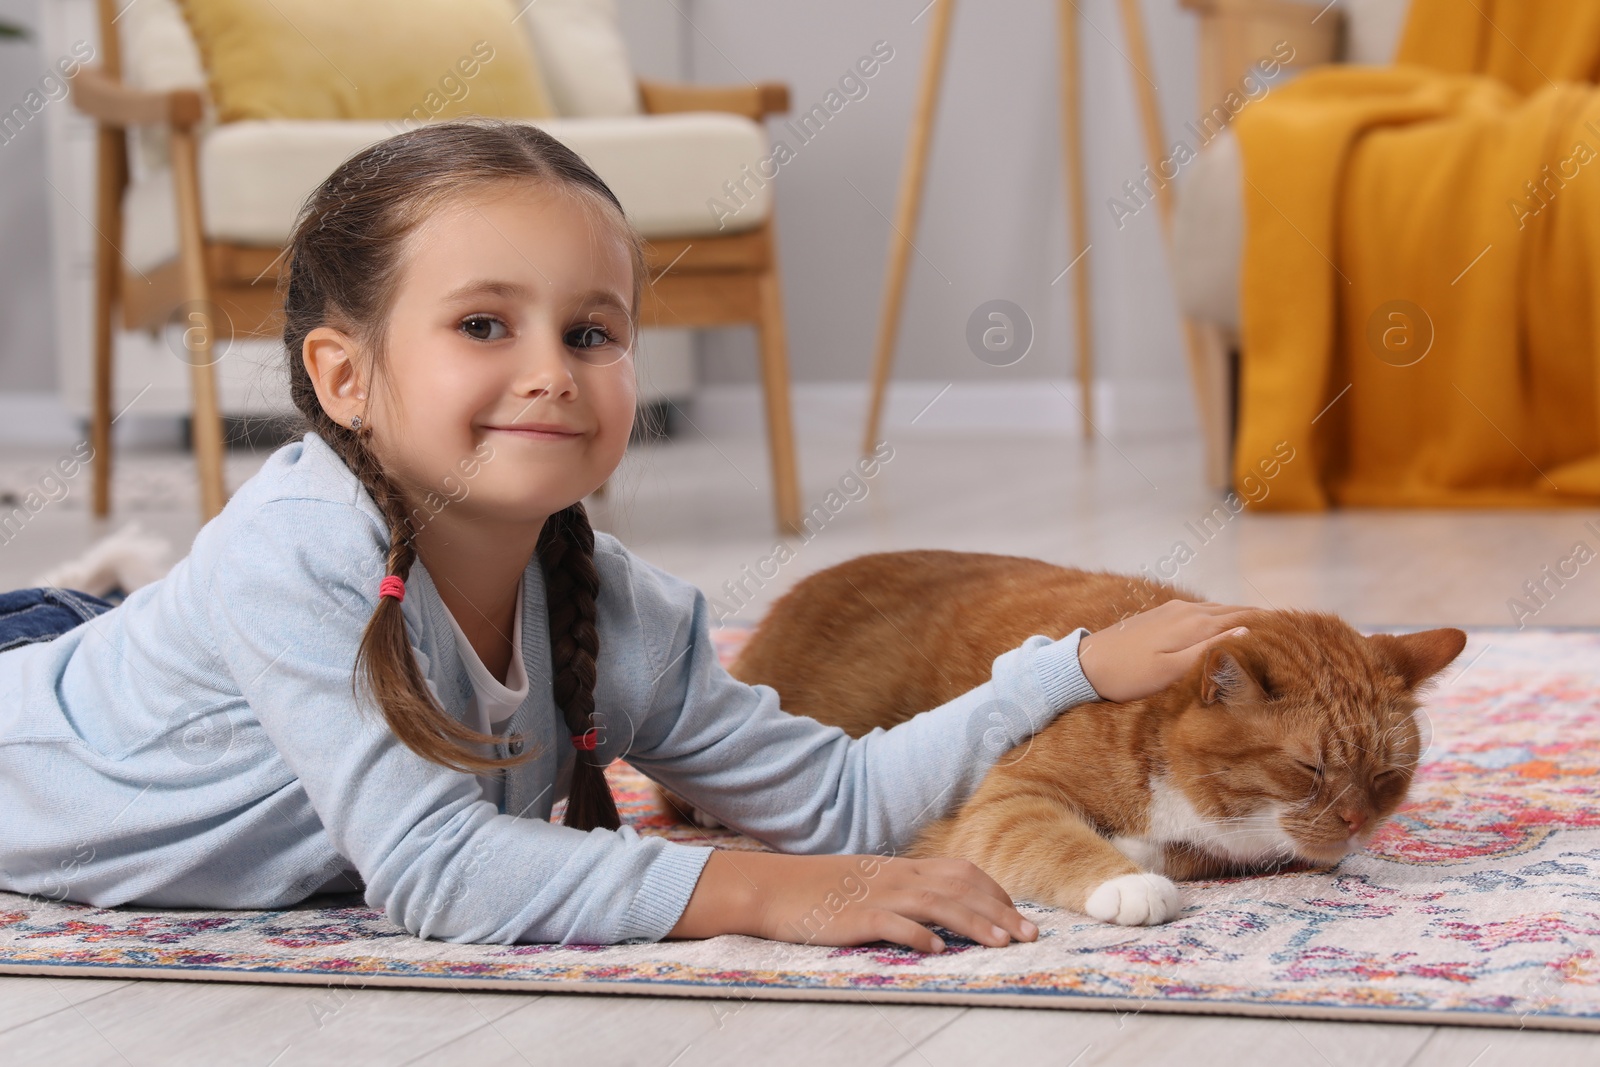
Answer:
(583, 57)
(1208, 234)
(1371, 30)
(254, 175)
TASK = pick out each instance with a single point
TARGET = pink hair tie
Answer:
(586, 740)
(394, 586)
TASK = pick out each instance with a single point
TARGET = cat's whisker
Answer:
(1238, 832)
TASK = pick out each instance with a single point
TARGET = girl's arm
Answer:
(789, 780)
(292, 588)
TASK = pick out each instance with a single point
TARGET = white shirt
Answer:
(493, 704)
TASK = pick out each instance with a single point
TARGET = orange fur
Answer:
(1185, 782)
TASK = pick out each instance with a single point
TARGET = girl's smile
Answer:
(539, 431)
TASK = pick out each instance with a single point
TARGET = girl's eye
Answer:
(589, 335)
(482, 327)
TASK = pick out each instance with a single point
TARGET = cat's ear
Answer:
(1419, 656)
(1224, 679)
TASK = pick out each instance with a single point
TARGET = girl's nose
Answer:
(544, 368)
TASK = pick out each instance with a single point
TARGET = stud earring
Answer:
(355, 422)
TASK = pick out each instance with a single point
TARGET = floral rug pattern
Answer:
(1479, 902)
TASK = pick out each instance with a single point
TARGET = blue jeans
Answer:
(43, 614)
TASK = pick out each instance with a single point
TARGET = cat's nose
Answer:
(1353, 819)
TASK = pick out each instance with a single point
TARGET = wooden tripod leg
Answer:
(909, 207)
(1204, 362)
(110, 177)
(1078, 222)
(200, 331)
(1149, 110)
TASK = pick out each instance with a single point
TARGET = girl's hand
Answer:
(849, 900)
(1145, 653)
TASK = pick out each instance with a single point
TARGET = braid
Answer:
(566, 553)
(385, 661)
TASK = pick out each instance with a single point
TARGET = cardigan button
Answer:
(515, 747)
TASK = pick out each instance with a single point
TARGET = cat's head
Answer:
(1303, 733)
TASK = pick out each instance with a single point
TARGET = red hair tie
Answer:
(586, 740)
(394, 586)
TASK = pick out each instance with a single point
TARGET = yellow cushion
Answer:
(366, 59)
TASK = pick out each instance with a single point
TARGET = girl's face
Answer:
(508, 382)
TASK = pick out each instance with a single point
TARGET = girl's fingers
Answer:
(976, 917)
(974, 888)
(1237, 631)
(885, 925)
(953, 915)
(1187, 657)
(967, 873)
(1220, 625)
(1002, 917)
(1200, 628)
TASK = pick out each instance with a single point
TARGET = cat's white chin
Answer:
(1134, 900)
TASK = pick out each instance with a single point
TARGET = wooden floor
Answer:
(65, 1022)
(701, 509)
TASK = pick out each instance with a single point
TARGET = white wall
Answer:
(27, 360)
(993, 222)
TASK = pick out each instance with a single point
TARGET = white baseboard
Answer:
(44, 420)
(36, 419)
(1047, 406)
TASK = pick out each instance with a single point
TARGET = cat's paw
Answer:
(1134, 900)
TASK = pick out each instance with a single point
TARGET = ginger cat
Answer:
(1289, 744)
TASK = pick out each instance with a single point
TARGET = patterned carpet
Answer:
(1478, 903)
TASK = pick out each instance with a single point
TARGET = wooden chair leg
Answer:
(1210, 369)
(775, 386)
(110, 177)
(200, 330)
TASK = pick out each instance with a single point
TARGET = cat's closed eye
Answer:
(1392, 778)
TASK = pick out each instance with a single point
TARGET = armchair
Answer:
(1208, 220)
(191, 214)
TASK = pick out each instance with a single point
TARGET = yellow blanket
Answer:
(1421, 281)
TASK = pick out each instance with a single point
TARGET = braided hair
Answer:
(344, 265)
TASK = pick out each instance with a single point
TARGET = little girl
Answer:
(401, 642)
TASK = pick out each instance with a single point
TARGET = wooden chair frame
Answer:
(1234, 34)
(695, 281)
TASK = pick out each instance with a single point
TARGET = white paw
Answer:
(1134, 900)
(704, 818)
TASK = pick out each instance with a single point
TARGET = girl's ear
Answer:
(329, 356)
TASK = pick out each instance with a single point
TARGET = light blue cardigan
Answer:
(199, 744)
